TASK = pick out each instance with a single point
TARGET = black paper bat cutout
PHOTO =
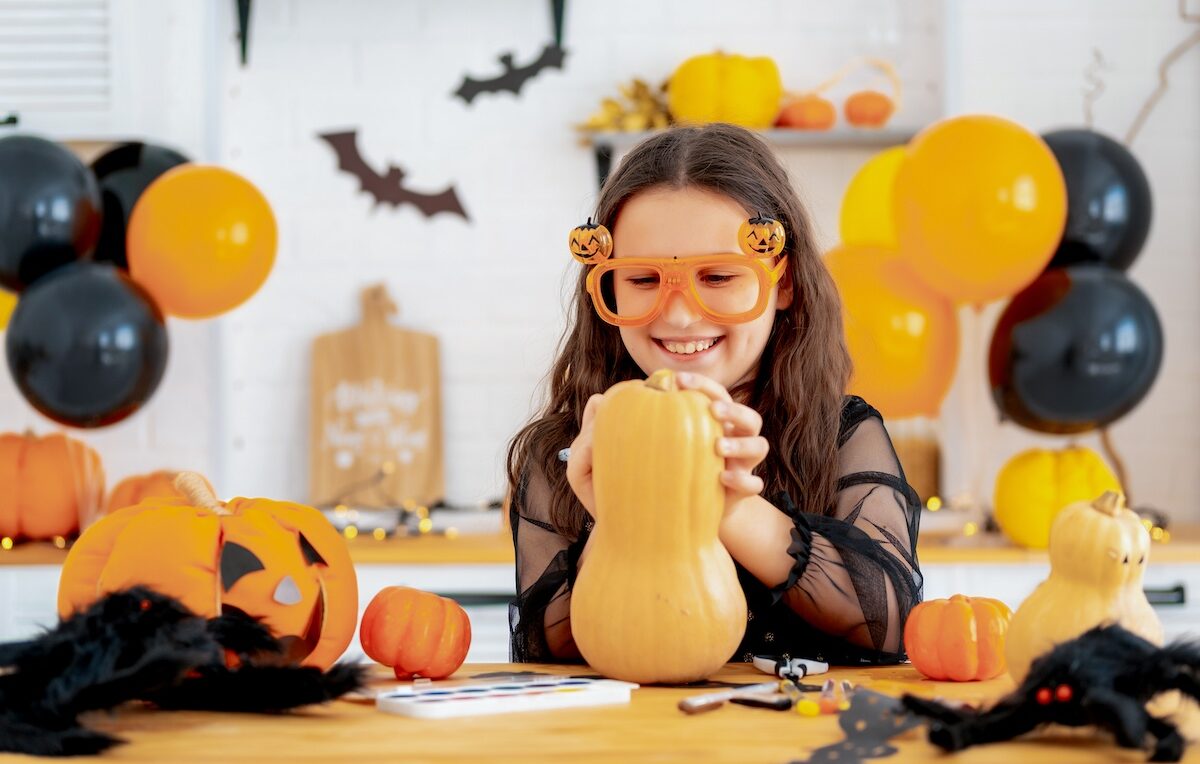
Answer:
(871, 721)
(388, 188)
(514, 77)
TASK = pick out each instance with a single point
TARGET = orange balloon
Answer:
(902, 335)
(980, 207)
(201, 240)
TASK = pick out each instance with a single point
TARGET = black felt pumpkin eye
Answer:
(311, 555)
(237, 561)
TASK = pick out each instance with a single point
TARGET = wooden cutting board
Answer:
(376, 437)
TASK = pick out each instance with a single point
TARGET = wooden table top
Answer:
(649, 728)
(496, 548)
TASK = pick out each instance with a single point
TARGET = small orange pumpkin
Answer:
(49, 485)
(590, 243)
(133, 489)
(960, 639)
(415, 632)
(281, 563)
(808, 112)
(761, 236)
(868, 108)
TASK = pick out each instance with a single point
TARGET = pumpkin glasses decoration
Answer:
(725, 288)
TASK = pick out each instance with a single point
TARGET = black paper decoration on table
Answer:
(388, 188)
(86, 345)
(1075, 350)
(1108, 200)
(49, 210)
(514, 77)
(871, 721)
(123, 173)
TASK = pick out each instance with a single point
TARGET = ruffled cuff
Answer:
(799, 549)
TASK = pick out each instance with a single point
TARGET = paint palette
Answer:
(503, 697)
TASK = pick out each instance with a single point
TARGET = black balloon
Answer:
(1108, 200)
(124, 173)
(86, 345)
(1075, 350)
(49, 209)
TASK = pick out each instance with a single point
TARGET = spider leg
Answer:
(1117, 713)
(1168, 744)
(933, 710)
(1004, 721)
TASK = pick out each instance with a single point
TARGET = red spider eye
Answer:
(144, 604)
(1063, 693)
(1043, 696)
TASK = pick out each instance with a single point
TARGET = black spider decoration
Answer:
(1103, 678)
(141, 645)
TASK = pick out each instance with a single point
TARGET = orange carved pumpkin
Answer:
(808, 112)
(135, 488)
(960, 639)
(49, 485)
(590, 243)
(415, 632)
(868, 108)
(282, 563)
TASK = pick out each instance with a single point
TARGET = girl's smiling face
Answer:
(690, 222)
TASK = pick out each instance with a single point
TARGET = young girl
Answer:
(819, 517)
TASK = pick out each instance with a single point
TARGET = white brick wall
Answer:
(235, 399)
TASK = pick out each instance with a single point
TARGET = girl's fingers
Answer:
(752, 450)
(737, 419)
(742, 482)
(689, 380)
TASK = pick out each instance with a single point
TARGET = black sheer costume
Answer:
(854, 578)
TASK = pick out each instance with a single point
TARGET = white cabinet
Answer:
(1011, 583)
(28, 596)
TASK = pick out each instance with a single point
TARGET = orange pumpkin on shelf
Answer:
(281, 563)
(49, 485)
(807, 112)
(960, 639)
(868, 108)
(133, 489)
(415, 633)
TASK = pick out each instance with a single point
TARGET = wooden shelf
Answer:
(606, 145)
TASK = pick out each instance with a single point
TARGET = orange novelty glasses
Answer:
(727, 288)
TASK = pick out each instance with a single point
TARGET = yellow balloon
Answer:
(1035, 485)
(902, 335)
(980, 207)
(8, 301)
(867, 218)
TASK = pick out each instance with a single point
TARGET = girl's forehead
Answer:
(677, 222)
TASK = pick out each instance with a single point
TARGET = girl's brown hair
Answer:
(805, 366)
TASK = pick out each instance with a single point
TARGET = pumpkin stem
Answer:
(196, 491)
(664, 380)
(1108, 503)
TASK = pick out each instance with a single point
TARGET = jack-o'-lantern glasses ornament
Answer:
(725, 288)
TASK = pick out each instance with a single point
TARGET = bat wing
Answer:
(429, 204)
(513, 79)
(345, 146)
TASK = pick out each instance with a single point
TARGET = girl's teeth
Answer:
(687, 348)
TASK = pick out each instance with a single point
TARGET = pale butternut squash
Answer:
(658, 599)
(1098, 555)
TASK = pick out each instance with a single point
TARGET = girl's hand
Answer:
(579, 463)
(742, 446)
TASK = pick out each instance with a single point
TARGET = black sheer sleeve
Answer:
(856, 574)
(539, 617)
